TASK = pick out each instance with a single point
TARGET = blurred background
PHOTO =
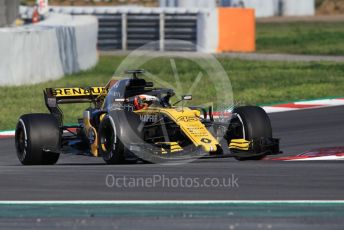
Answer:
(321, 6)
(129, 24)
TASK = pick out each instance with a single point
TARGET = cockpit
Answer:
(137, 94)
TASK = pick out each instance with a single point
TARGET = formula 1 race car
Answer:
(131, 120)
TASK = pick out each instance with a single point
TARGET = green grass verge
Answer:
(253, 82)
(301, 38)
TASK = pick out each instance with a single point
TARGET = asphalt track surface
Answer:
(83, 178)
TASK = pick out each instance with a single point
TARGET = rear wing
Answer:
(55, 96)
(75, 94)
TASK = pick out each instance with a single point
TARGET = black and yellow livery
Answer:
(113, 128)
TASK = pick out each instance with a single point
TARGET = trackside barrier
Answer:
(8, 12)
(213, 30)
(127, 28)
(47, 51)
(77, 38)
(29, 55)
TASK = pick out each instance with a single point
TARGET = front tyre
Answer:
(250, 122)
(34, 134)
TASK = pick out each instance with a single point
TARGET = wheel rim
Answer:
(106, 141)
(239, 131)
(21, 141)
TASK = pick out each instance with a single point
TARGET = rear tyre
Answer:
(251, 122)
(110, 147)
(34, 134)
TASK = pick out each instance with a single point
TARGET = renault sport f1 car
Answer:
(130, 119)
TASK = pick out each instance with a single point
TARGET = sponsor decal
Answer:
(66, 92)
(149, 117)
(115, 85)
(187, 118)
(117, 94)
(197, 131)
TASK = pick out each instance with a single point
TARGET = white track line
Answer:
(327, 102)
(167, 202)
(317, 103)
(320, 158)
(272, 109)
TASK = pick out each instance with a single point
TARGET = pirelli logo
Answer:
(70, 92)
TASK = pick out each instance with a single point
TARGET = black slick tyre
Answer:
(252, 122)
(110, 147)
(34, 134)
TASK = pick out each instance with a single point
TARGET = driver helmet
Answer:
(143, 101)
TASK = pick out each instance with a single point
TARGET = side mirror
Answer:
(184, 98)
(187, 97)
